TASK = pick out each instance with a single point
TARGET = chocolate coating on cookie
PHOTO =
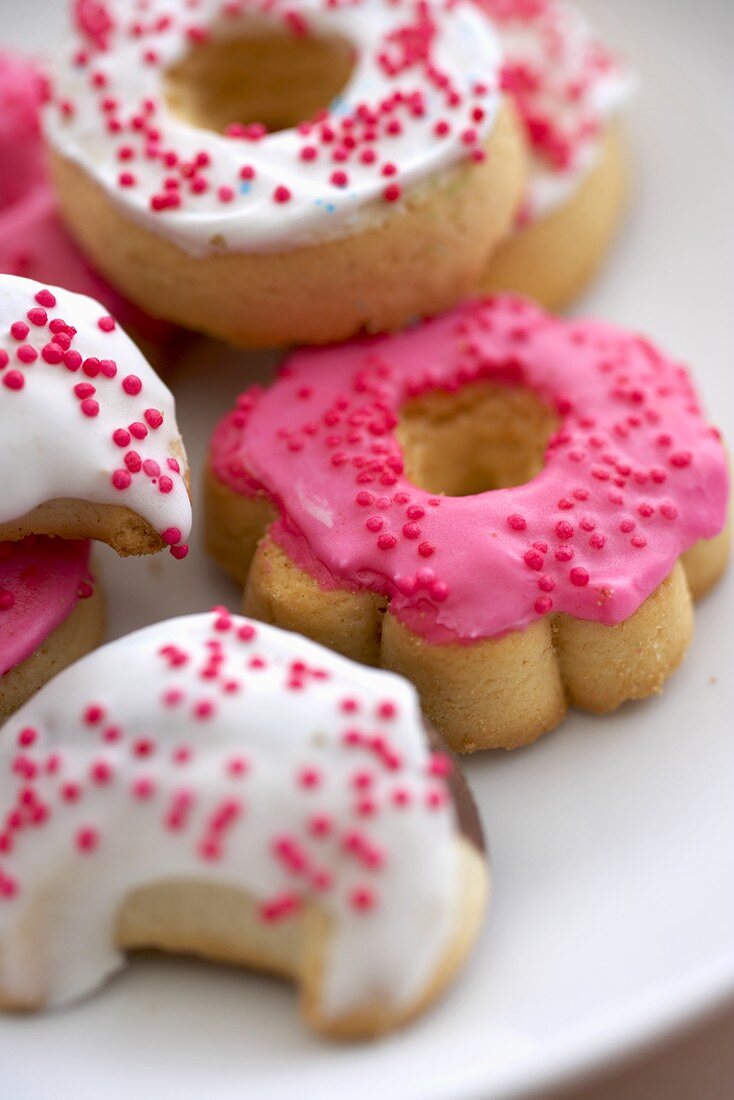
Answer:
(467, 814)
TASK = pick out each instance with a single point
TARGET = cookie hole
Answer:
(483, 437)
(259, 76)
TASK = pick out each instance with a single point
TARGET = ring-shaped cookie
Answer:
(257, 800)
(185, 171)
(495, 503)
(51, 613)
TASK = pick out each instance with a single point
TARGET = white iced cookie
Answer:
(257, 799)
(275, 173)
(89, 446)
(569, 89)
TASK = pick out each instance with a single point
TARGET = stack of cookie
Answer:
(89, 449)
(510, 510)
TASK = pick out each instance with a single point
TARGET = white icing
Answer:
(49, 448)
(58, 905)
(465, 49)
(557, 43)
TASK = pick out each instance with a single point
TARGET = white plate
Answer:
(612, 838)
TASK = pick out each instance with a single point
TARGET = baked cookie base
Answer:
(81, 632)
(219, 923)
(405, 260)
(553, 259)
(494, 693)
(119, 527)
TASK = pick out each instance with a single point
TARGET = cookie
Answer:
(87, 427)
(257, 800)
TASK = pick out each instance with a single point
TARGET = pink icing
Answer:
(41, 581)
(33, 242)
(633, 476)
(22, 90)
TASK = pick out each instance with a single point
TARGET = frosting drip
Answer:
(422, 96)
(41, 581)
(633, 476)
(246, 756)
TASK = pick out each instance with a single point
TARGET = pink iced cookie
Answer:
(33, 242)
(610, 474)
(48, 604)
(633, 476)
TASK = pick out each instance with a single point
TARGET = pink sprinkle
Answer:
(101, 773)
(106, 324)
(579, 576)
(309, 778)
(37, 316)
(362, 899)
(143, 788)
(14, 380)
(7, 599)
(93, 714)
(237, 766)
(121, 479)
(51, 353)
(87, 839)
(132, 384)
(534, 559)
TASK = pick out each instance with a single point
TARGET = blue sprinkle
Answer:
(339, 106)
(245, 187)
